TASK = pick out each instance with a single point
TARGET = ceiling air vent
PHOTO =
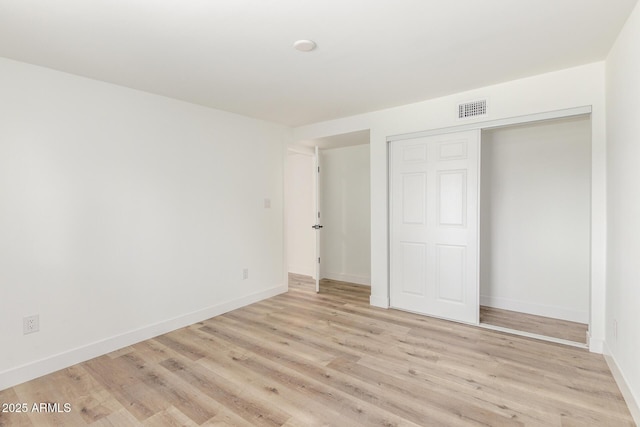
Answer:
(472, 109)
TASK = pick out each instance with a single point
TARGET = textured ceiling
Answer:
(237, 55)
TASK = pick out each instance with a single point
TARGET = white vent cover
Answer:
(472, 109)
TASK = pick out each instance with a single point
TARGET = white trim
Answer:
(381, 302)
(478, 297)
(29, 371)
(596, 345)
(534, 336)
(536, 309)
(298, 149)
(489, 124)
(300, 270)
(633, 402)
(358, 280)
(316, 212)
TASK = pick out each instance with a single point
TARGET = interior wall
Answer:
(346, 212)
(300, 214)
(126, 214)
(535, 218)
(574, 87)
(623, 177)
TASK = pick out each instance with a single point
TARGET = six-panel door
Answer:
(434, 225)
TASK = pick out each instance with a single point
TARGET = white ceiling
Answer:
(237, 55)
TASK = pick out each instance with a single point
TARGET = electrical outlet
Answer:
(30, 324)
(245, 273)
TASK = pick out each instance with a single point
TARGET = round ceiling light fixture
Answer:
(305, 45)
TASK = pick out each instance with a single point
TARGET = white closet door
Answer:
(434, 225)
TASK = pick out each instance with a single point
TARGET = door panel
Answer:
(434, 225)
(414, 153)
(414, 188)
(450, 262)
(451, 197)
(453, 150)
(413, 269)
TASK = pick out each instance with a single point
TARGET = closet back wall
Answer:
(535, 218)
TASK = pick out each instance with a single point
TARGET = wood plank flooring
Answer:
(570, 331)
(307, 359)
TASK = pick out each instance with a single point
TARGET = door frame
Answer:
(317, 223)
(307, 147)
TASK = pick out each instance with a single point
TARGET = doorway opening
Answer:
(343, 193)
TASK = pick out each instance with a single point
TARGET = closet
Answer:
(535, 225)
(522, 202)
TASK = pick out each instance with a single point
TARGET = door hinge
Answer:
(318, 260)
(318, 169)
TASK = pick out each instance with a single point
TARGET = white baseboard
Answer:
(29, 371)
(537, 309)
(358, 280)
(301, 271)
(633, 402)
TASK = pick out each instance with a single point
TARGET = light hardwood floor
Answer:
(307, 359)
(556, 328)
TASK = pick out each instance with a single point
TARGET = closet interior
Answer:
(535, 226)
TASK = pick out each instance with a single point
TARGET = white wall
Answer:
(623, 191)
(568, 88)
(125, 214)
(535, 218)
(346, 214)
(300, 191)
